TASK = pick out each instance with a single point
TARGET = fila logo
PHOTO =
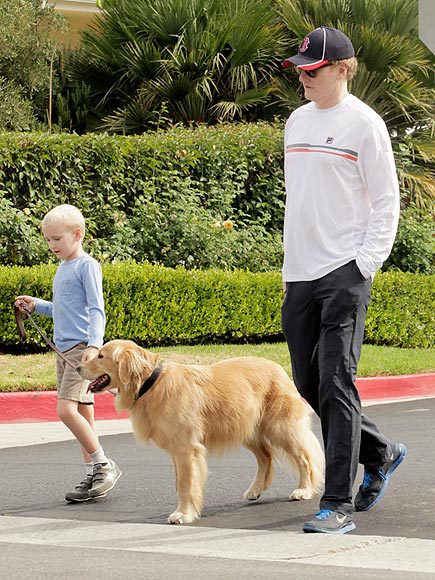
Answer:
(330, 140)
(304, 44)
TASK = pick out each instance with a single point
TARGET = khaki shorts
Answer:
(70, 384)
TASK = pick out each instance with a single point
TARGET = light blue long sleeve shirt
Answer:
(77, 308)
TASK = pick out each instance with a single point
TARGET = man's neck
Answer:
(333, 99)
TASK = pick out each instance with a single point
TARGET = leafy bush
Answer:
(413, 249)
(209, 61)
(181, 232)
(29, 44)
(16, 112)
(22, 244)
(235, 170)
(401, 311)
(156, 197)
(154, 305)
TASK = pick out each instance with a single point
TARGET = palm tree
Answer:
(395, 75)
(151, 61)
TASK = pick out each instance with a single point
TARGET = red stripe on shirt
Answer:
(305, 150)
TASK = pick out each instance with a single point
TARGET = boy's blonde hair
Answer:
(67, 215)
(351, 64)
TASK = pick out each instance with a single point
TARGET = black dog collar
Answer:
(149, 382)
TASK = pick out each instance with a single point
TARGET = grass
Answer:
(37, 372)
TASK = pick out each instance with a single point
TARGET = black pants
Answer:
(323, 323)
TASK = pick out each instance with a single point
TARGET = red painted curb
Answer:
(399, 387)
(41, 405)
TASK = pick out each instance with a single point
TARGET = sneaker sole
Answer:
(85, 499)
(393, 467)
(102, 494)
(344, 530)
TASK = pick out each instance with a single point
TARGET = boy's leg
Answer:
(87, 411)
(68, 413)
(75, 409)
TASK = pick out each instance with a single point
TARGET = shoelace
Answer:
(368, 477)
(323, 514)
(367, 480)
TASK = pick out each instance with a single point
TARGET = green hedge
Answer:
(159, 197)
(153, 305)
(232, 169)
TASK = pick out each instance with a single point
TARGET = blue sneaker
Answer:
(375, 483)
(329, 522)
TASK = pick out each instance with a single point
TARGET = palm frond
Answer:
(228, 110)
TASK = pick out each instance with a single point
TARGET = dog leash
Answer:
(22, 332)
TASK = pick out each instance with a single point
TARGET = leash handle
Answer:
(22, 332)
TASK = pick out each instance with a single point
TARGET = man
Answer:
(341, 217)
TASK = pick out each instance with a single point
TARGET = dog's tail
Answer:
(305, 454)
(315, 455)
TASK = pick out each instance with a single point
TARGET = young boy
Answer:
(78, 315)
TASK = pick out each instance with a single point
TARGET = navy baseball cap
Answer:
(321, 46)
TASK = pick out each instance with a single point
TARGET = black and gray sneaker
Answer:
(329, 522)
(375, 482)
(81, 491)
(104, 479)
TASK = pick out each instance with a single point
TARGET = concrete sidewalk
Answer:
(350, 551)
(36, 433)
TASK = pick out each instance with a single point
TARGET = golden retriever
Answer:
(193, 410)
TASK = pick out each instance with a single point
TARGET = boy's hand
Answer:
(90, 353)
(23, 302)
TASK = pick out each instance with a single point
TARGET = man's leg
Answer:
(301, 328)
(344, 296)
(301, 321)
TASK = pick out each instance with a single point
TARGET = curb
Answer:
(31, 406)
(24, 407)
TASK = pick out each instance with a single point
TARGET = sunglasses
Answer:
(312, 73)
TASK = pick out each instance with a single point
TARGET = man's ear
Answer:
(342, 69)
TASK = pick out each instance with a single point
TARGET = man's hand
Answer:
(25, 302)
(89, 353)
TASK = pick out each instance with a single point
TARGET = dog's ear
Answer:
(151, 358)
(124, 358)
(133, 363)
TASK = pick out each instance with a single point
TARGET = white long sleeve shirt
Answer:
(342, 191)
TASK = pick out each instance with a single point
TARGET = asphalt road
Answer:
(34, 479)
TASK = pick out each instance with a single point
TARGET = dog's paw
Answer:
(251, 495)
(181, 518)
(301, 493)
